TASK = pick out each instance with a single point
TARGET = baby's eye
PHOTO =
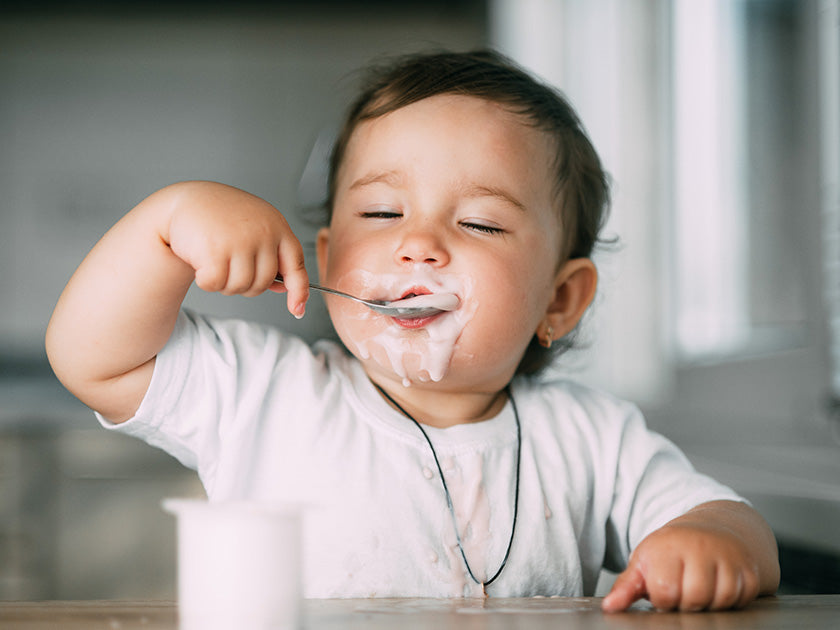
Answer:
(484, 228)
(380, 213)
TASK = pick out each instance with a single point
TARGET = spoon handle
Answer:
(318, 287)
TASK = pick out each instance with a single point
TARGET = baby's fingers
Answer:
(212, 275)
(295, 279)
(629, 586)
(240, 277)
(729, 588)
(699, 586)
(655, 574)
(735, 588)
(665, 582)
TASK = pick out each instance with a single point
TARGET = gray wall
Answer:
(99, 111)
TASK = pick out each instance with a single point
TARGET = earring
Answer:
(547, 340)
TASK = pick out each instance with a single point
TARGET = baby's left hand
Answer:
(714, 557)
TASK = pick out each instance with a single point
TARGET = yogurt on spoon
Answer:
(440, 301)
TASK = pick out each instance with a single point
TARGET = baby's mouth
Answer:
(414, 292)
(421, 297)
(431, 305)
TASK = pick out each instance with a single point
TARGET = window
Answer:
(718, 122)
(746, 164)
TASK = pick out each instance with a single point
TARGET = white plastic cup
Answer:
(238, 564)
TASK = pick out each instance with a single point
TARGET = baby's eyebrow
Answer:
(478, 190)
(395, 179)
(391, 178)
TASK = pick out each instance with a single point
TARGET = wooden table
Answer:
(798, 612)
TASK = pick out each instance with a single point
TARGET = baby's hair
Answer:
(581, 187)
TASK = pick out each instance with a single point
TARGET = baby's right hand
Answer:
(236, 243)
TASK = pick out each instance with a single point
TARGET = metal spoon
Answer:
(413, 307)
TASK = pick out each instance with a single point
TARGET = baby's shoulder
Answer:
(568, 402)
(248, 343)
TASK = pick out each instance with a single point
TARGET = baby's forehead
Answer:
(440, 113)
(449, 101)
(472, 128)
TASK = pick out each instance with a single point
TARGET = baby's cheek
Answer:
(354, 321)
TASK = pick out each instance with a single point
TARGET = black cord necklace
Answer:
(449, 497)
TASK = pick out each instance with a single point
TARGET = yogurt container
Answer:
(238, 564)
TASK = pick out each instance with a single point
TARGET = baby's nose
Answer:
(422, 246)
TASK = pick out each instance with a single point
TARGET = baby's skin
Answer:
(450, 193)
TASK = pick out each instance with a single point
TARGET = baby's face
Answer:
(450, 194)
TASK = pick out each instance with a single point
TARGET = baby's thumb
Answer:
(292, 273)
(628, 587)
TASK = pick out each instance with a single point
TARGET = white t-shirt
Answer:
(261, 415)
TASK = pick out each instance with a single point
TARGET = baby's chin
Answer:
(414, 356)
(460, 375)
(402, 363)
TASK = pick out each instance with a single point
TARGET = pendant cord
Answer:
(446, 488)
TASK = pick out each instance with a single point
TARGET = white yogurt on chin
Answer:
(417, 354)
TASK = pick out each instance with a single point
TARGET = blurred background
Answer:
(719, 308)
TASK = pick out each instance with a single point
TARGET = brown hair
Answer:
(581, 186)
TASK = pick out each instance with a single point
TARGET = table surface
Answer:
(792, 611)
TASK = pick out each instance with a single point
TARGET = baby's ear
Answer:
(322, 248)
(574, 289)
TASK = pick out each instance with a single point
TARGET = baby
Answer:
(436, 463)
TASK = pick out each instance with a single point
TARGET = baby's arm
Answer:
(121, 304)
(719, 555)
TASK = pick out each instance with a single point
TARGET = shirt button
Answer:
(427, 472)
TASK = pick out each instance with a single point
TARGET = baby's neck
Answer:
(443, 409)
